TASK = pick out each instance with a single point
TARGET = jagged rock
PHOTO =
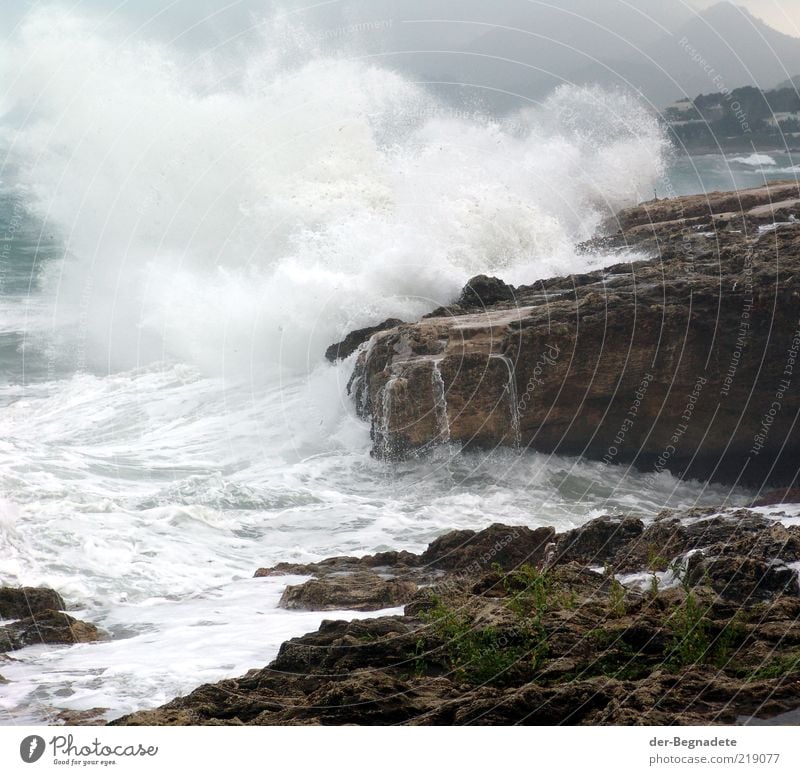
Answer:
(355, 339)
(22, 602)
(361, 591)
(598, 541)
(323, 568)
(744, 579)
(508, 547)
(398, 562)
(493, 642)
(47, 627)
(483, 291)
(738, 533)
(679, 363)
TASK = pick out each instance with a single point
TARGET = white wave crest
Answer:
(248, 220)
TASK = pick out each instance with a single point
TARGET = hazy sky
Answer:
(783, 15)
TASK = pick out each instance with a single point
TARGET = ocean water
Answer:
(177, 249)
(726, 172)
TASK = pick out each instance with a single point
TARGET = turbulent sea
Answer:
(177, 249)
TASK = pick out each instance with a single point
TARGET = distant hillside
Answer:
(743, 118)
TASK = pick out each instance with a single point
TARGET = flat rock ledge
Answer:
(693, 618)
(685, 361)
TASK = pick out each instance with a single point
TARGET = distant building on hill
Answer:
(785, 120)
(735, 118)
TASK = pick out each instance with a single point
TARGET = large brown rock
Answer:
(684, 363)
(719, 205)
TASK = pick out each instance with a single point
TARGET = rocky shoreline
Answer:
(691, 619)
(680, 358)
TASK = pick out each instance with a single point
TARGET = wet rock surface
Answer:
(22, 602)
(508, 547)
(35, 616)
(683, 362)
(483, 291)
(47, 627)
(498, 633)
(360, 591)
(355, 339)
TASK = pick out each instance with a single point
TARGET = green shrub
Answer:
(487, 654)
(779, 667)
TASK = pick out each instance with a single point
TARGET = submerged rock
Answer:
(396, 562)
(683, 363)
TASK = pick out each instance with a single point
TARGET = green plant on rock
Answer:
(487, 654)
(780, 667)
(691, 642)
(616, 593)
(475, 654)
(722, 647)
(530, 593)
(655, 562)
(568, 599)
